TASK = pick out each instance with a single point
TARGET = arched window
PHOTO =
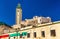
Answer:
(35, 34)
(53, 33)
(43, 33)
(28, 35)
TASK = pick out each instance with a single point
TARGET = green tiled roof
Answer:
(18, 6)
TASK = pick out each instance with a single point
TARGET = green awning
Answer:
(18, 34)
(24, 33)
(14, 34)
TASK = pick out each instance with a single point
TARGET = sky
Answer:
(30, 8)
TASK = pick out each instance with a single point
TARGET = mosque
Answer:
(38, 27)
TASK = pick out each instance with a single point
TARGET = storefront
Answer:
(24, 34)
(6, 36)
(15, 35)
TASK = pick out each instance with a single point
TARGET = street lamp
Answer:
(17, 30)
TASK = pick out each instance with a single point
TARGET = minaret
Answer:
(18, 14)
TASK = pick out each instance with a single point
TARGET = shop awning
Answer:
(14, 34)
(3, 36)
(24, 33)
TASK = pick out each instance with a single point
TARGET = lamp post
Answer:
(17, 34)
(17, 30)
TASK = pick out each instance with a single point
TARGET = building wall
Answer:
(47, 32)
(46, 28)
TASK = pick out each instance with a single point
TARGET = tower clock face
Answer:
(17, 10)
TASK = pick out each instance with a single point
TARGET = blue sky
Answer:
(30, 8)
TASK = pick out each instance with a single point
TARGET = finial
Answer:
(19, 5)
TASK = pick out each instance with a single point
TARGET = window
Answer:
(43, 34)
(14, 37)
(22, 26)
(53, 33)
(17, 10)
(28, 35)
(35, 34)
(20, 35)
(40, 19)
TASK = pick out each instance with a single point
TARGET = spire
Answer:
(19, 5)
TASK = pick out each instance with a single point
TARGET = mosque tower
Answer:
(18, 14)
